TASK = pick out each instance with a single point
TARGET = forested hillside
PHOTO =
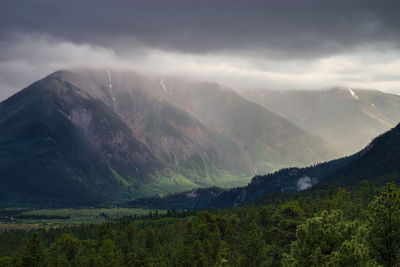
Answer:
(379, 163)
(333, 228)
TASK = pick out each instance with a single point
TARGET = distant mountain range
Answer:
(379, 163)
(348, 118)
(268, 141)
(84, 136)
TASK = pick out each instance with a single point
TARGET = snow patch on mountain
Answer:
(164, 87)
(109, 79)
(353, 94)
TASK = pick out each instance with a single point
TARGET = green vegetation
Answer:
(20, 219)
(379, 163)
(335, 227)
(172, 183)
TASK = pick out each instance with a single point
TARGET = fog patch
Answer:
(304, 183)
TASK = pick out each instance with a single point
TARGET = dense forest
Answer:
(333, 227)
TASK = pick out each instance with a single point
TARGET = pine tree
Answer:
(329, 240)
(150, 239)
(108, 254)
(223, 258)
(252, 247)
(66, 246)
(384, 225)
(33, 256)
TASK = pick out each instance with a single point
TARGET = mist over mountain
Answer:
(269, 141)
(378, 163)
(348, 118)
(86, 136)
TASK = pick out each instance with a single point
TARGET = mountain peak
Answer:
(111, 134)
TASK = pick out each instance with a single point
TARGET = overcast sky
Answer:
(282, 44)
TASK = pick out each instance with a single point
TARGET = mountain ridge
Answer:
(254, 127)
(90, 136)
(347, 117)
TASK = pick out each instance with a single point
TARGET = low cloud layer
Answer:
(269, 44)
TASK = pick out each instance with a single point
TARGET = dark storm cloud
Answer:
(285, 28)
(281, 44)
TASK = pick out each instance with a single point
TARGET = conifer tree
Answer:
(384, 225)
(33, 255)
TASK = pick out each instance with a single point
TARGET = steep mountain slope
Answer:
(348, 118)
(190, 151)
(85, 136)
(285, 180)
(66, 144)
(269, 141)
(44, 156)
(378, 163)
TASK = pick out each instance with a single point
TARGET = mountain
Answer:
(189, 152)
(269, 141)
(348, 118)
(378, 163)
(85, 136)
(73, 137)
(285, 180)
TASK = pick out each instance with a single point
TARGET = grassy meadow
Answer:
(34, 218)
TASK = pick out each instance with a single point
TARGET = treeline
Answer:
(334, 228)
